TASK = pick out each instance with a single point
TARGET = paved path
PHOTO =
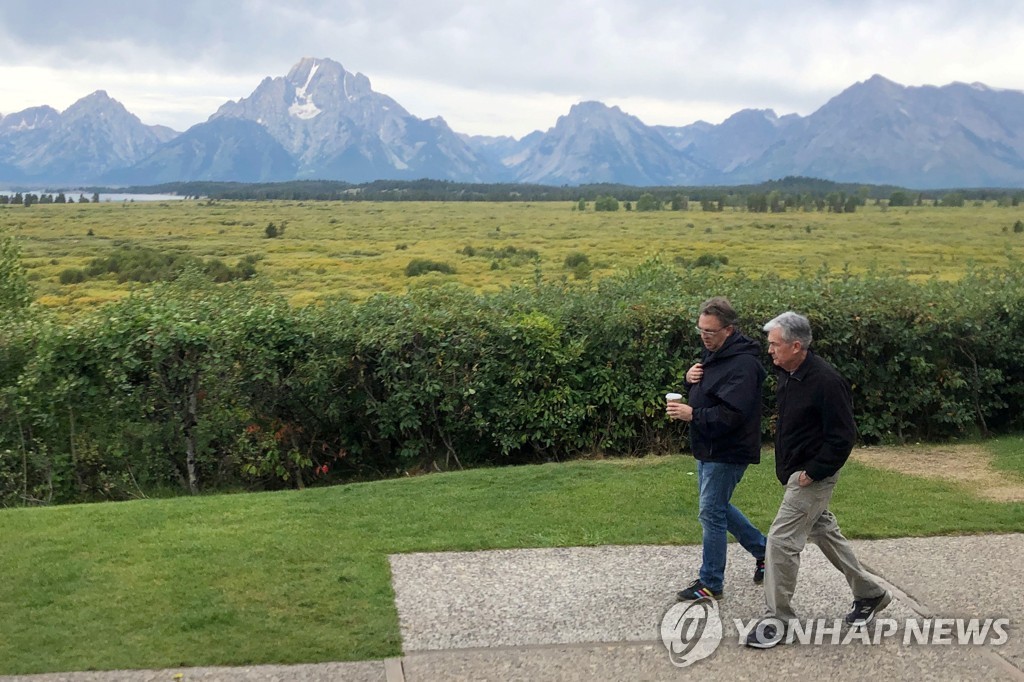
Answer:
(595, 612)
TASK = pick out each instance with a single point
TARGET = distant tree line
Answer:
(28, 198)
(789, 192)
(442, 190)
(774, 196)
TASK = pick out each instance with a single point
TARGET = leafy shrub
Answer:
(421, 266)
(710, 260)
(14, 289)
(73, 276)
(206, 387)
(219, 272)
(516, 255)
(576, 259)
(582, 271)
(272, 231)
(648, 202)
(143, 264)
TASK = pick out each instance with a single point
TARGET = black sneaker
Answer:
(698, 590)
(765, 636)
(759, 572)
(865, 609)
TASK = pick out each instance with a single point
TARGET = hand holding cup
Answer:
(675, 408)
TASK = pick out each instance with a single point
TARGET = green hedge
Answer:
(196, 386)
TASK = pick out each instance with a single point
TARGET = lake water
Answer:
(112, 197)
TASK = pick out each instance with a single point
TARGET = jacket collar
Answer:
(800, 373)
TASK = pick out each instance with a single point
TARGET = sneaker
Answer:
(765, 636)
(698, 590)
(759, 572)
(865, 609)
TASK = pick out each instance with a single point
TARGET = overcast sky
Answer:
(504, 67)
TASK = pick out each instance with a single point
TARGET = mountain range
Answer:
(322, 122)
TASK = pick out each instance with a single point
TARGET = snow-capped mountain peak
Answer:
(329, 118)
(303, 105)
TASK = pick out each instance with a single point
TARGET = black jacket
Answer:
(726, 403)
(815, 431)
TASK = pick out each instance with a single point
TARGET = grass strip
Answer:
(1008, 454)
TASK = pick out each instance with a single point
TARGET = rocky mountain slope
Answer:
(322, 122)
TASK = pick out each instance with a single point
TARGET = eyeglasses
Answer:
(708, 332)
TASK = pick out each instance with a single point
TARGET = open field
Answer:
(354, 249)
(303, 576)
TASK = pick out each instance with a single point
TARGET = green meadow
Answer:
(355, 249)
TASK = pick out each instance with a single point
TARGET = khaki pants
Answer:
(804, 516)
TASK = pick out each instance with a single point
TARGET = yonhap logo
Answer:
(691, 631)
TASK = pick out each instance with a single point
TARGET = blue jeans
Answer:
(716, 481)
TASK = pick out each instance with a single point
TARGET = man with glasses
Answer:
(814, 435)
(724, 411)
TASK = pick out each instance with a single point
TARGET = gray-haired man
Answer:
(814, 435)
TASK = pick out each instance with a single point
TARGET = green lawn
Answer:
(303, 576)
(1008, 454)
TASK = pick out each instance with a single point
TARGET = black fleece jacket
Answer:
(815, 431)
(727, 404)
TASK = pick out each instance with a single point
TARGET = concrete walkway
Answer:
(595, 613)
